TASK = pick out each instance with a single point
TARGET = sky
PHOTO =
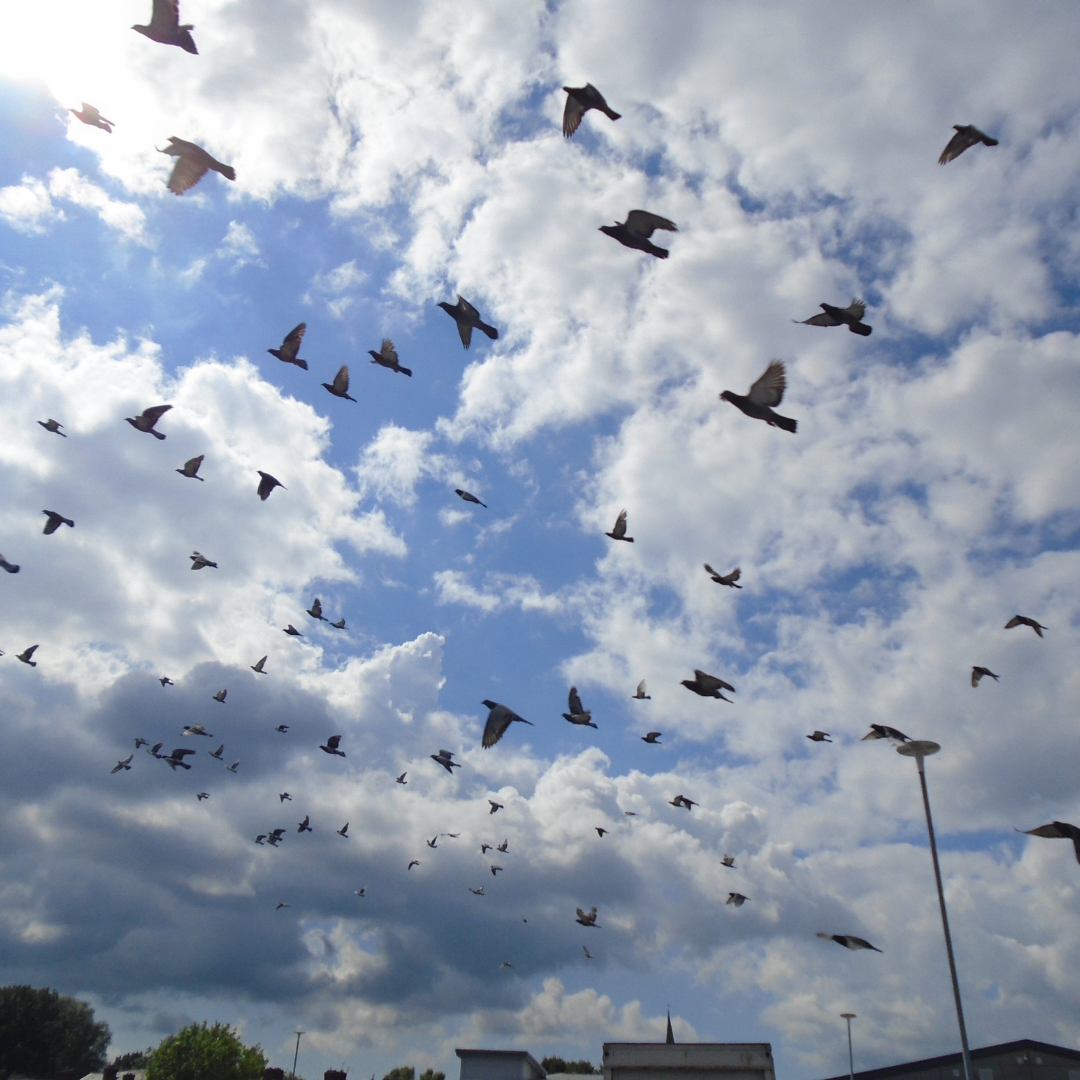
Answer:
(388, 156)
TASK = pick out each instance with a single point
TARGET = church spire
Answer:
(670, 1040)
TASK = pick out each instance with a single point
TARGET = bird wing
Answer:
(711, 682)
(644, 224)
(824, 319)
(191, 466)
(769, 389)
(341, 380)
(572, 114)
(856, 309)
(575, 703)
(964, 137)
(185, 175)
(387, 351)
(466, 308)
(26, 654)
(641, 687)
(1051, 831)
(976, 675)
(333, 741)
(291, 344)
(181, 753)
(316, 608)
(152, 416)
(166, 15)
(499, 719)
(619, 528)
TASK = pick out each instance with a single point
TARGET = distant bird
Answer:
(52, 425)
(387, 357)
(966, 135)
(630, 813)
(89, 115)
(579, 100)
(728, 860)
(724, 579)
(220, 695)
(197, 729)
(618, 530)
(819, 736)
(25, 655)
(1023, 620)
(495, 870)
(736, 898)
(469, 498)
(284, 796)
(499, 719)
(708, 685)
(415, 862)
(198, 561)
(10, 567)
(587, 918)
(599, 831)
(121, 765)
(466, 317)
(883, 731)
(234, 766)
(340, 386)
(146, 420)
(635, 231)
(260, 838)
(495, 806)
(401, 779)
(484, 848)
(291, 346)
(504, 847)
(192, 164)
(153, 750)
(276, 836)
(640, 695)
(1056, 830)
(141, 742)
(340, 624)
(332, 745)
(281, 905)
(477, 892)
(444, 758)
(305, 825)
(763, 395)
(165, 27)
(343, 831)
(267, 483)
(315, 611)
(283, 728)
(578, 714)
(849, 941)
(218, 752)
(203, 795)
(292, 631)
(683, 801)
(191, 468)
(166, 681)
(259, 668)
(55, 521)
(360, 892)
(505, 964)
(978, 672)
(176, 759)
(652, 738)
(431, 843)
(851, 317)
(588, 955)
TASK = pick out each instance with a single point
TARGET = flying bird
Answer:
(652, 738)
(724, 579)
(505, 964)
(499, 719)
(146, 420)
(361, 892)
(343, 831)
(484, 848)
(89, 115)
(260, 669)
(315, 611)
(197, 729)
(883, 731)
(25, 655)
(166, 681)
(849, 941)
(198, 561)
(283, 728)
(387, 357)
(176, 759)
(55, 521)
(477, 892)
(587, 918)
(220, 695)
(401, 779)
(579, 100)
(599, 831)
(292, 631)
(52, 425)
(121, 765)
(736, 898)
(640, 695)
(978, 672)
(332, 745)
(708, 685)
(140, 742)
(281, 905)
(618, 530)
(276, 836)
(305, 825)
(851, 317)
(763, 395)
(191, 468)
(291, 346)
(578, 714)
(192, 164)
(203, 795)
(415, 862)
(1023, 620)
(431, 843)
(260, 838)
(683, 801)
(234, 766)
(469, 497)
(218, 752)
(635, 231)
(819, 736)
(10, 567)
(153, 750)
(504, 847)
(267, 483)
(728, 860)
(495, 870)
(588, 955)
(1056, 830)
(340, 624)
(444, 758)
(495, 806)
(340, 386)
(284, 796)
(165, 27)
(966, 135)
(466, 317)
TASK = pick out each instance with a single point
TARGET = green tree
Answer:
(198, 1052)
(402, 1072)
(134, 1059)
(45, 1034)
(430, 1074)
(557, 1065)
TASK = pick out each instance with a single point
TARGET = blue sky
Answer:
(387, 157)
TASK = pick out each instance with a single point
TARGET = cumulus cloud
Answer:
(126, 218)
(27, 206)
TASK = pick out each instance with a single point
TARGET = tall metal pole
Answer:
(850, 1056)
(919, 750)
(297, 1054)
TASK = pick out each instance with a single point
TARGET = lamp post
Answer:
(920, 749)
(850, 1057)
(296, 1055)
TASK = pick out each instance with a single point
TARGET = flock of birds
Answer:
(192, 164)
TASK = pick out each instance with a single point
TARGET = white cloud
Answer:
(27, 206)
(127, 218)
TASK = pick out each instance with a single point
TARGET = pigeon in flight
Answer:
(192, 164)
(708, 685)
(25, 655)
(166, 681)
(851, 317)
(284, 796)
(466, 317)
(819, 736)
(121, 765)
(640, 695)
(197, 729)
(281, 905)
(415, 862)
(153, 750)
(599, 831)
(763, 395)
(10, 567)
(724, 579)
(331, 746)
(504, 847)
(499, 719)
(683, 801)
(176, 759)
(340, 386)
(146, 420)
(736, 898)
(260, 838)
(305, 825)
(468, 497)
(495, 870)
(220, 695)
(267, 483)
(588, 955)
(587, 918)
(1023, 620)
(578, 714)
(505, 964)
(141, 742)
(401, 779)
(883, 731)
(191, 468)
(218, 752)
(276, 836)
(579, 100)
(55, 521)
(387, 357)
(431, 843)
(635, 231)
(495, 806)
(203, 795)
(484, 848)
(978, 672)
(1056, 830)
(340, 624)
(315, 611)
(652, 738)
(443, 757)
(198, 561)
(292, 631)
(283, 728)
(618, 530)
(90, 115)
(477, 892)
(52, 425)
(849, 941)
(361, 892)
(291, 346)
(165, 27)
(259, 667)
(728, 860)
(966, 135)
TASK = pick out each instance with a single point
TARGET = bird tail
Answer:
(226, 170)
(157, 434)
(860, 328)
(612, 114)
(659, 252)
(301, 364)
(785, 422)
(989, 142)
(489, 330)
(405, 371)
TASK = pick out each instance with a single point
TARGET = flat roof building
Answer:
(690, 1061)
(1024, 1059)
(499, 1065)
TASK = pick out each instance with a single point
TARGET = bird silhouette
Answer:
(495, 806)
(291, 346)
(166, 681)
(191, 468)
(141, 742)
(281, 905)
(499, 719)
(146, 420)
(708, 685)
(635, 231)
(978, 672)
(192, 164)
(736, 898)
(90, 115)
(469, 497)
(599, 831)
(153, 750)
(431, 843)
(966, 135)
(484, 848)
(220, 695)
(340, 624)
(10, 567)
(1058, 830)
(203, 795)
(387, 357)
(587, 918)
(283, 728)
(640, 695)
(284, 796)
(883, 731)
(121, 765)
(360, 892)
(763, 395)
(55, 521)
(819, 736)
(197, 729)
(260, 838)
(504, 847)
(198, 561)
(505, 964)
(849, 941)
(652, 738)
(305, 825)
(618, 530)
(477, 892)
(577, 714)
(466, 317)
(340, 386)
(176, 760)
(165, 27)
(415, 862)
(443, 757)
(315, 611)
(52, 425)
(728, 860)
(275, 837)
(494, 870)
(259, 666)
(25, 655)
(684, 802)
(579, 100)
(332, 745)
(267, 483)
(1023, 620)
(851, 317)
(401, 779)
(292, 631)
(218, 753)
(724, 579)
(588, 955)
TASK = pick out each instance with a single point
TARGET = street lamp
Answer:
(850, 1057)
(920, 749)
(296, 1055)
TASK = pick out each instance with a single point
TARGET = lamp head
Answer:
(848, 1016)
(918, 748)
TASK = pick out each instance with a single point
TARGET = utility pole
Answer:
(850, 1056)
(296, 1055)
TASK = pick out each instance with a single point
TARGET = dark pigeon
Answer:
(165, 27)
(851, 317)
(290, 347)
(466, 317)
(635, 231)
(192, 164)
(966, 135)
(579, 100)
(764, 394)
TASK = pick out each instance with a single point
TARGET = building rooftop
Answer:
(955, 1060)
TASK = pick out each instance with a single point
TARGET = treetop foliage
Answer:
(558, 1065)
(199, 1052)
(45, 1034)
